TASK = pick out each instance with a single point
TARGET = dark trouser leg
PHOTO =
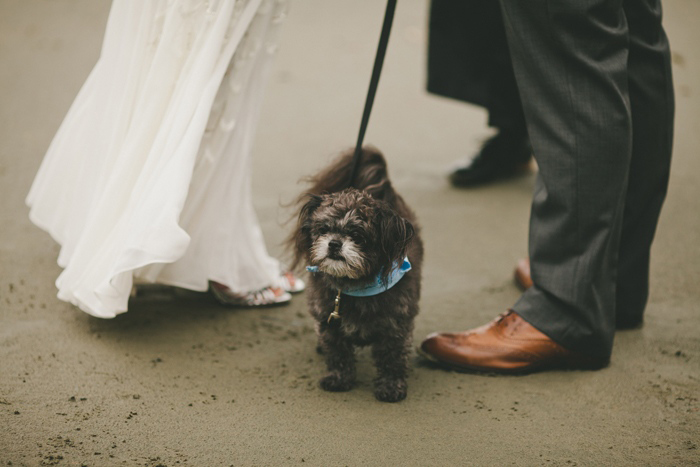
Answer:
(570, 61)
(651, 97)
(468, 59)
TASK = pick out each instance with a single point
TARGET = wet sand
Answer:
(179, 380)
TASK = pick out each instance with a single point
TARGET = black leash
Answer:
(374, 81)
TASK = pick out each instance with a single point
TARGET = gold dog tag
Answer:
(336, 309)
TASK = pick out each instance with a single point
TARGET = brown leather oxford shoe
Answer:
(508, 344)
(522, 274)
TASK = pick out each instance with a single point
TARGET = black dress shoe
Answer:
(502, 156)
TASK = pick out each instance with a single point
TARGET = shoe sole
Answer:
(580, 365)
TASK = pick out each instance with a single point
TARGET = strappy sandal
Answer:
(269, 296)
(291, 283)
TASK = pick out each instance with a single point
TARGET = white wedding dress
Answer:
(149, 175)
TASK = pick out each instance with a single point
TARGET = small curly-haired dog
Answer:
(358, 243)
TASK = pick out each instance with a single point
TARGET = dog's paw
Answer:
(335, 383)
(390, 390)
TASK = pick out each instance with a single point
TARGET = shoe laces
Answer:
(502, 316)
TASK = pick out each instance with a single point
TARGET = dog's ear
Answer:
(301, 238)
(380, 190)
(395, 234)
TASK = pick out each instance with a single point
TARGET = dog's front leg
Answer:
(391, 357)
(340, 358)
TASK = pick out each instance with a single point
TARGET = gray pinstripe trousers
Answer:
(595, 81)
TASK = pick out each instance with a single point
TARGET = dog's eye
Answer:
(357, 237)
(323, 230)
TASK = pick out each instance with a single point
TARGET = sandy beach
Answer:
(182, 381)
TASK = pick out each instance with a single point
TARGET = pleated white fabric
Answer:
(149, 175)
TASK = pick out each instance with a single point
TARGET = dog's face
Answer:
(350, 235)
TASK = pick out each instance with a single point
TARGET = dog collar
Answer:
(378, 286)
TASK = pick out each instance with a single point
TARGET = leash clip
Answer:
(335, 314)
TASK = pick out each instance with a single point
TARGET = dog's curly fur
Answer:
(353, 235)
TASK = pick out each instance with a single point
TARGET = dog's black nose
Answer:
(335, 245)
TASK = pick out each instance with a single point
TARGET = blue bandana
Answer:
(378, 286)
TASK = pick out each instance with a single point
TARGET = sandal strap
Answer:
(262, 297)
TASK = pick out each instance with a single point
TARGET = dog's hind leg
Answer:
(340, 360)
